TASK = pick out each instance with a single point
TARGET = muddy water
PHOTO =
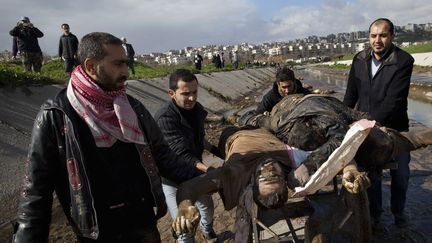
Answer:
(419, 110)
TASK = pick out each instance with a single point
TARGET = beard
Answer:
(109, 83)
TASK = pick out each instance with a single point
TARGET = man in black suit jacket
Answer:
(130, 54)
(379, 83)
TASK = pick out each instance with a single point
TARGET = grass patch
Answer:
(12, 73)
(421, 48)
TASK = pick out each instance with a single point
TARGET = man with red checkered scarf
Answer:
(101, 152)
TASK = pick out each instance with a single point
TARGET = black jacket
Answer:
(384, 96)
(180, 134)
(56, 163)
(68, 46)
(27, 38)
(272, 97)
(130, 52)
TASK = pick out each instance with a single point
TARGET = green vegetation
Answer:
(421, 48)
(12, 73)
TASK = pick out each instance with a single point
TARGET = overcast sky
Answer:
(158, 25)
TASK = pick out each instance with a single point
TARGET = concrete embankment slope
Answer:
(19, 107)
(214, 90)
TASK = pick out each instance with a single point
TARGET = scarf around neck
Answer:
(108, 114)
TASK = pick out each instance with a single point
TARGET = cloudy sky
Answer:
(161, 25)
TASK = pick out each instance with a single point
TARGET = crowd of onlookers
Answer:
(25, 43)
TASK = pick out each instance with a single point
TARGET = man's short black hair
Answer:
(285, 74)
(64, 25)
(181, 74)
(92, 45)
(380, 20)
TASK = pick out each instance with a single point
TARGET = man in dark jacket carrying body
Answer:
(379, 83)
(101, 152)
(27, 40)
(182, 122)
(285, 84)
(68, 48)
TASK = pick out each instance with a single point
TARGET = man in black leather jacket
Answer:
(101, 152)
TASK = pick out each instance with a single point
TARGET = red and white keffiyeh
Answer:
(107, 113)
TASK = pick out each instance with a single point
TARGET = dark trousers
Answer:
(131, 66)
(69, 64)
(398, 189)
(32, 61)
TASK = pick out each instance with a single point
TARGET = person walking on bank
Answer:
(130, 53)
(234, 60)
(27, 41)
(198, 59)
(68, 48)
(14, 48)
(101, 151)
(378, 83)
(182, 122)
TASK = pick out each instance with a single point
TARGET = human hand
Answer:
(355, 181)
(298, 177)
(187, 219)
(302, 174)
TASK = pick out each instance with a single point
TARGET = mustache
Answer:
(124, 77)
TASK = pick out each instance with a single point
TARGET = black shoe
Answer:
(211, 237)
(401, 220)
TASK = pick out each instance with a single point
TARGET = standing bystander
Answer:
(27, 41)
(68, 48)
(235, 60)
(198, 59)
(130, 53)
(378, 83)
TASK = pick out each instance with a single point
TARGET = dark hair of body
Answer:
(181, 74)
(92, 45)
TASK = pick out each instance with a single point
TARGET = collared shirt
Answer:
(376, 64)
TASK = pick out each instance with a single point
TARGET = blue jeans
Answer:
(204, 204)
(398, 189)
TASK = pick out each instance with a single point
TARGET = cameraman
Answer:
(26, 35)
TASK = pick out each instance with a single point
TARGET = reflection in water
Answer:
(420, 111)
(417, 110)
